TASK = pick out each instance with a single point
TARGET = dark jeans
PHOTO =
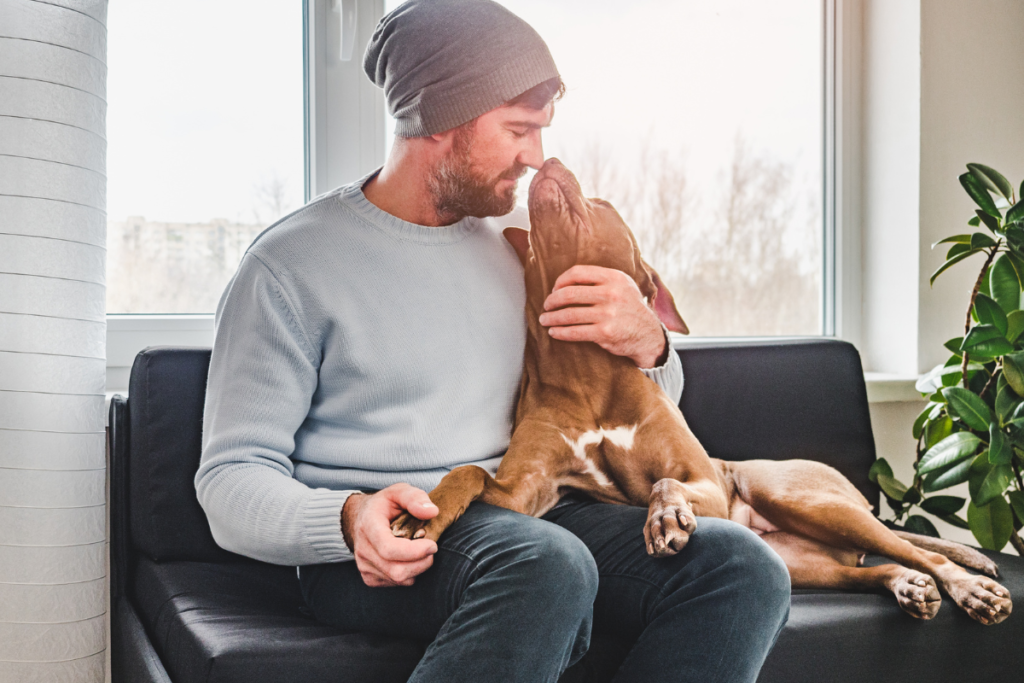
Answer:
(513, 598)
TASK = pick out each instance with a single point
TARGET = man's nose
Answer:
(532, 154)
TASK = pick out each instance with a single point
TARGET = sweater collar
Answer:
(352, 195)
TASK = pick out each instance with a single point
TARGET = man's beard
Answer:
(458, 191)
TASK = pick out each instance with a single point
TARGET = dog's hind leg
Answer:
(959, 553)
(815, 565)
(815, 501)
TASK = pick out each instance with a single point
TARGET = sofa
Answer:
(187, 611)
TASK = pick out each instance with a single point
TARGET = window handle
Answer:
(347, 10)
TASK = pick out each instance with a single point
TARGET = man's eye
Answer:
(520, 133)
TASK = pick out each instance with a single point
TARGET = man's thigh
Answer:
(483, 539)
(633, 585)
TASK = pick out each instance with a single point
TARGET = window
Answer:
(702, 122)
(205, 121)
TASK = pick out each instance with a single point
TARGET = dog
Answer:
(589, 421)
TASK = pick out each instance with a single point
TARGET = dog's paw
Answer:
(407, 526)
(917, 594)
(668, 530)
(983, 599)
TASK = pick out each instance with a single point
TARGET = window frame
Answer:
(344, 130)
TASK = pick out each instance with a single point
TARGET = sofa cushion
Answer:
(856, 637)
(245, 621)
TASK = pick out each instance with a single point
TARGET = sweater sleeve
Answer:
(668, 376)
(263, 373)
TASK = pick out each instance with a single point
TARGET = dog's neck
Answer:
(553, 363)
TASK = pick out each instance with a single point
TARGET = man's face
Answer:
(487, 157)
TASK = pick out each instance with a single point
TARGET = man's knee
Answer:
(744, 562)
(557, 563)
(544, 558)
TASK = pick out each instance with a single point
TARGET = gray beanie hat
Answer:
(444, 62)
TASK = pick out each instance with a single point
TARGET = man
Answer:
(373, 340)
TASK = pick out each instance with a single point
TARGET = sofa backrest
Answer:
(743, 401)
(779, 400)
(165, 407)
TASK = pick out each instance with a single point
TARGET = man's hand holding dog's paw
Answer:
(382, 559)
(605, 306)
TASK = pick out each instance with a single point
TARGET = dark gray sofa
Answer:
(186, 611)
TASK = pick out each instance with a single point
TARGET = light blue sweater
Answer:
(354, 350)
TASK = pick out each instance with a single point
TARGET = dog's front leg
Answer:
(672, 513)
(452, 496)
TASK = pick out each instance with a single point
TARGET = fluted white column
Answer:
(52, 340)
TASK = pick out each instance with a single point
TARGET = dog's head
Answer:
(568, 229)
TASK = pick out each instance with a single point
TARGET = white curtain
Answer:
(52, 340)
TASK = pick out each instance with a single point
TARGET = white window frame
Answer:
(344, 129)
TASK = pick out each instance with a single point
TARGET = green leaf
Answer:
(1005, 282)
(1016, 431)
(943, 479)
(953, 344)
(1016, 212)
(1014, 325)
(918, 428)
(912, 496)
(957, 249)
(950, 450)
(880, 466)
(930, 381)
(980, 240)
(993, 485)
(999, 450)
(937, 430)
(986, 340)
(891, 486)
(943, 505)
(916, 524)
(990, 222)
(1013, 371)
(969, 406)
(955, 520)
(953, 261)
(992, 524)
(974, 222)
(1017, 503)
(1015, 238)
(1006, 402)
(979, 193)
(990, 313)
(992, 179)
(955, 239)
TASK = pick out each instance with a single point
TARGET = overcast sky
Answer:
(205, 96)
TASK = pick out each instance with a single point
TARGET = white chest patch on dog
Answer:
(620, 436)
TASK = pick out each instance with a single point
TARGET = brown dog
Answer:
(589, 421)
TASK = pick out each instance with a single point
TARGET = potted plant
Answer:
(972, 429)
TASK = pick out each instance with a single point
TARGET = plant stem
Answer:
(974, 295)
(992, 378)
(1017, 543)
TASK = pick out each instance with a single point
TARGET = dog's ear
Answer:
(665, 306)
(520, 241)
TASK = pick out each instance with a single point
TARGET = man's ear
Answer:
(663, 303)
(520, 241)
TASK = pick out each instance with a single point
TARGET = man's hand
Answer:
(382, 559)
(608, 309)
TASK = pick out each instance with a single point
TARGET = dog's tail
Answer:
(959, 553)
